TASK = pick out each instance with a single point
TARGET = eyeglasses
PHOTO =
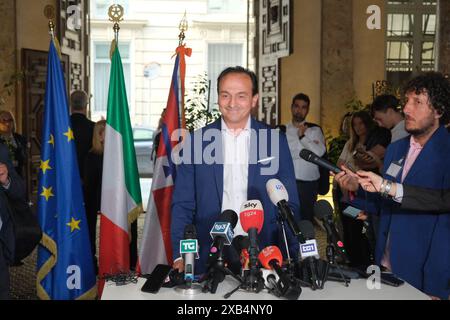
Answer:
(6, 120)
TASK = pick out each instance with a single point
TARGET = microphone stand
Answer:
(331, 257)
(290, 266)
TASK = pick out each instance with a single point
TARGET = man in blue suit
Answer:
(415, 245)
(227, 163)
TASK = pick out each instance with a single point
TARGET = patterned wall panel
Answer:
(274, 43)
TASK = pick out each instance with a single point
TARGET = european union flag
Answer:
(65, 266)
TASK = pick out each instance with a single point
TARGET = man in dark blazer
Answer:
(414, 244)
(11, 186)
(205, 187)
(82, 127)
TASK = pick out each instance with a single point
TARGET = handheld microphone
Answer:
(279, 197)
(271, 258)
(189, 250)
(310, 156)
(324, 211)
(309, 254)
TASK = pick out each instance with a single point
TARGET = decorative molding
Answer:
(274, 43)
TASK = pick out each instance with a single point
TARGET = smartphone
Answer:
(350, 167)
(156, 278)
(351, 212)
(391, 279)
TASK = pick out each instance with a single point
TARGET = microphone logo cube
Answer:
(222, 229)
(188, 246)
(309, 249)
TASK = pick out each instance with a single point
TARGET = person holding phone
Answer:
(364, 150)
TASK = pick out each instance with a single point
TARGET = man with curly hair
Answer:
(415, 244)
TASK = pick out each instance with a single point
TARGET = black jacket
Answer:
(83, 130)
(415, 198)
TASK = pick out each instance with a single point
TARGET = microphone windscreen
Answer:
(307, 229)
(276, 191)
(190, 232)
(322, 208)
(268, 254)
(306, 154)
(229, 216)
(252, 215)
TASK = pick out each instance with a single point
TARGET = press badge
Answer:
(394, 168)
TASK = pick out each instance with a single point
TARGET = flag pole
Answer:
(183, 27)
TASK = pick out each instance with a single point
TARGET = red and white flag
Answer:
(156, 244)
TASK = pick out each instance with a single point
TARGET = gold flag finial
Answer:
(50, 14)
(183, 27)
(115, 13)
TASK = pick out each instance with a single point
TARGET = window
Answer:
(227, 6)
(411, 33)
(101, 7)
(221, 56)
(102, 66)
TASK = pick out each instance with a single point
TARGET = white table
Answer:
(357, 290)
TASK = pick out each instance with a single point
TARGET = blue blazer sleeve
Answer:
(183, 201)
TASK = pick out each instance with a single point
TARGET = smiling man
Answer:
(203, 189)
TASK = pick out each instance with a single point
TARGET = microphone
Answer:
(279, 197)
(252, 220)
(309, 254)
(310, 156)
(324, 212)
(189, 251)
(222, 233)
(272, 259)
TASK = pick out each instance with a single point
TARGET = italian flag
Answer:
(121, 201)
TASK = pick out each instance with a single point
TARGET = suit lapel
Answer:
(424, 160)
(252, 167)
(218, 167)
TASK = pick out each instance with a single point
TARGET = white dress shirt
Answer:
(313, 141)
(236, 149)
